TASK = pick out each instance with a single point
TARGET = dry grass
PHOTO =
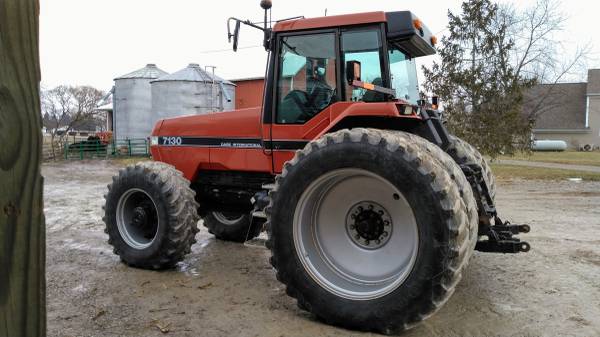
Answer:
(566, 157)
(507, 172)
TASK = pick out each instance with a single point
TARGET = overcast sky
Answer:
(89, 42)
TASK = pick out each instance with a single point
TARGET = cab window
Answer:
(403, 71)
(307, 77)
(365, 47)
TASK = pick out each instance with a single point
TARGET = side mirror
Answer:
(352, 71)
(236, 35)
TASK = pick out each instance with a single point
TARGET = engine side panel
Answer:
(221, 141)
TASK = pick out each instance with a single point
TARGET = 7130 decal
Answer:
(171, 140)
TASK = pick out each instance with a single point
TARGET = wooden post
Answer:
(22, 229)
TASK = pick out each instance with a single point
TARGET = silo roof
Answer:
(193, 73)
(150, 71)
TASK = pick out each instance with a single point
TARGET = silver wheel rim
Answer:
(227, 218)
(137, 233)
(324, 240)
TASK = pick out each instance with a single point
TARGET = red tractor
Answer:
(372, 209)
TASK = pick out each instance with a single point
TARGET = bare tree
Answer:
(64, 108)
(539, 55)
(491, 62)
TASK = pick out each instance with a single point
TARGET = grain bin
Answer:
(133, 103)
(191, 91)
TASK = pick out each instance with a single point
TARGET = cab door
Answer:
(305, 84)
(309, 79)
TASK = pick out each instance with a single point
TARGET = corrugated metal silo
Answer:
(133, 103)
(191, 91)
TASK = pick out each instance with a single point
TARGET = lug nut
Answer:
(386, 223)
(357, 237)
(352, 227)
(380, 212)
(385, 234)
(377, 242)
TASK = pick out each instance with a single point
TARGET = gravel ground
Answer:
(226, 289)
(584, 168)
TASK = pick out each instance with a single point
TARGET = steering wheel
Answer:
(306, 105)
(299, 97)
(295, 105)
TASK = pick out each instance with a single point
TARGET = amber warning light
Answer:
(418, 24)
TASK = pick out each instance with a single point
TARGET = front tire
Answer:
(150, 215)
(327, 220)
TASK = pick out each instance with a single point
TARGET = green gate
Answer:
(95, 148)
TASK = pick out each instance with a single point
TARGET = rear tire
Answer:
(465, 154)
(369, 291)
(231, 226)
(455, 172)
(150, 215)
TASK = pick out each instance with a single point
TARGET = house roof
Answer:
(105, 107)
(247, 79)
(593, 82)
(559, 107)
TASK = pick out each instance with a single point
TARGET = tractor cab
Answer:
(341, 72)
(315, 63)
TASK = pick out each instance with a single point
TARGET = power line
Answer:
(228, 49)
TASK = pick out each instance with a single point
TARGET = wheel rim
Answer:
(336, 216)
(137, 218)
(228, 218)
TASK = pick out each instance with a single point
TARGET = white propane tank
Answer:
(549, 145)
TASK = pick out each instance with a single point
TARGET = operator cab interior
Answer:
(309, 68)
(307, 77)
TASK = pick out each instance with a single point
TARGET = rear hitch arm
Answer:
(501, 239)
(500, 234)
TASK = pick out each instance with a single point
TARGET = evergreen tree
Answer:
(481, 91)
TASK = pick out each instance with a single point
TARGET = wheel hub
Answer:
(139, 216)
(369, 225)
(331, 238)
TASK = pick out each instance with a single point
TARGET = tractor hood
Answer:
(243, 123)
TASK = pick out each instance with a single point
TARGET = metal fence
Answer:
(95, 148)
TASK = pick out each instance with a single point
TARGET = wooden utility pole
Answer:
(22, 230)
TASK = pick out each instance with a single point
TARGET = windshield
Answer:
(403, 72)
